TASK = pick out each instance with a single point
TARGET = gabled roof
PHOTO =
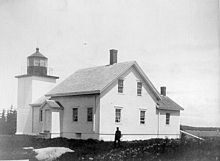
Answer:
(40, 102)
(46, 100)
(97, 79)
(53, 104)
(167, 104)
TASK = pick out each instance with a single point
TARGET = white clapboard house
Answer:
(92, 102)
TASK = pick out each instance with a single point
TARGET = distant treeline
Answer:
(8, 119)
(184, 127)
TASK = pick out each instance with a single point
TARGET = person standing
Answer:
(117, 138)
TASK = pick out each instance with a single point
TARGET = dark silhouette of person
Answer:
(117, 138)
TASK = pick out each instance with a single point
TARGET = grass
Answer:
(204, 133)
(153, 149)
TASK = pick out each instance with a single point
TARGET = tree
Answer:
(3, 123)
(8, 122)
(11, 121)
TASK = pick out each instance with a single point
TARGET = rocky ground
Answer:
(153, 149)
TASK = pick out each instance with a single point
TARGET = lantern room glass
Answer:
(37, 62)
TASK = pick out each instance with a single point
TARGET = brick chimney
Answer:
(113, 56)
(163, 91)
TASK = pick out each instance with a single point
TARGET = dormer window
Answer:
(139, 88)
(120, 85)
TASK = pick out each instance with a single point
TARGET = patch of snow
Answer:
(50, 153)
(27, 148)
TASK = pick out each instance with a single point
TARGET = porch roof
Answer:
(53, 104)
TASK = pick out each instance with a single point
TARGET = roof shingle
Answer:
(90, 80)
(168, 104)
(94, 80)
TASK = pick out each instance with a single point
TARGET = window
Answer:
(78, 135)
(142, 117)
(36, 62)
(120, 85)
(167, 118)
(89, 114)
(42, 63)
(139, 88)
(41, 115)
(75, 114)
(117, 115)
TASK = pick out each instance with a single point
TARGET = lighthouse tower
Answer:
(31, 86)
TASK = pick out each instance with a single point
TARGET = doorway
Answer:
(55, 125)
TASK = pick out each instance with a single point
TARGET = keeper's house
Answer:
(92, 102)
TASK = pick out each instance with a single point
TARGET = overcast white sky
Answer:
(176, 42)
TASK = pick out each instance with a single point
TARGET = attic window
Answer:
(139, 88)
(120, 85)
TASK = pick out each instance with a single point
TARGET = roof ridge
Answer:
(105, 65)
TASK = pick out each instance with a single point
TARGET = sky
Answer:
(176, 43)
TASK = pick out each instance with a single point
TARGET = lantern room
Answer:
(37, 64)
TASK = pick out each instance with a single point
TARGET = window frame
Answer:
(167, 119)
(142, 122)
(36, 62)
(41, 115)
(76, 118)
(139, 88)
(90, 119)
(120, 85)
(43, 63)
(118, 117)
